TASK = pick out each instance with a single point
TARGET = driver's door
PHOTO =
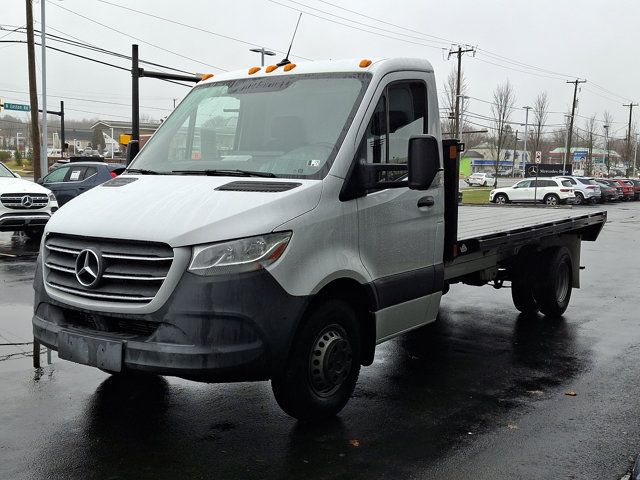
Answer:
(400, 242)
(521, 192)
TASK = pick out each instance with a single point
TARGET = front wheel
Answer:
(323, 366)
(579, 199)
(501, 198)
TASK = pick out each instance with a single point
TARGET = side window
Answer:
(89, 171)
(57, 175)
(75, 174)
(399, 114)
(523, 184)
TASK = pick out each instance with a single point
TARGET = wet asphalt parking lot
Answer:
(480, 394)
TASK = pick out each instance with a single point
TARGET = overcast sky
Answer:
(584, 38)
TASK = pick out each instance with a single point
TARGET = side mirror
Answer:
(133, 147)
(423, 161)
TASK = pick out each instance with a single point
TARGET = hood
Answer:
(17, 185)
(182, 210)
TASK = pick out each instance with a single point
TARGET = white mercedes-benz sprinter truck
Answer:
(279, 224)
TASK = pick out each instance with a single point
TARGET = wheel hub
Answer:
(330, 361)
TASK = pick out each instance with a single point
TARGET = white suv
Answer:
(550, 191)
(24, 205)
(587, 190)
(479, 179)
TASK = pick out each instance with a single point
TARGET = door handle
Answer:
(426, 202)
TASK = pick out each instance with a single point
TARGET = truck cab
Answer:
(279, 224)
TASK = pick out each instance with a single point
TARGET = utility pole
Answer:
(44, 153)
(606, 142)
(635, 155)
(33, 95)
(628, 155)
(135, 94)
(573, 113)
(459, 53)
(62, 139)
(526, 133)
(566, 147)
(515, 153)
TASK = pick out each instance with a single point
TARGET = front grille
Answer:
(102, 323)
(131, 271)
(24, 201)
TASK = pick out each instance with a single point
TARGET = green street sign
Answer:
(17, 106)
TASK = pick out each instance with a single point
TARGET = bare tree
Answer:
(590, 132)
(607, 119)
(540, 116)
(449, 100)
(504, 99)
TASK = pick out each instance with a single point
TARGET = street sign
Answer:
(538, 157)
(17, 106)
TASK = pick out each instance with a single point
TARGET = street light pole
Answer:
(262, 53)
(566, 154)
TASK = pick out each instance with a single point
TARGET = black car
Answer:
(611, 183)
(69, 181)
(608, 193)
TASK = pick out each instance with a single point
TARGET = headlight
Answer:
(52, 197)
(242, 255)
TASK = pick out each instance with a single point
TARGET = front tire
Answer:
(323, 366)
(554, 281)
(579, 199)
(501, 199)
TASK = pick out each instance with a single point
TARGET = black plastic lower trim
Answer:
(406, 286)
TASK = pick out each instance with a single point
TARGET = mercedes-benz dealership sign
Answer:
(546, 170)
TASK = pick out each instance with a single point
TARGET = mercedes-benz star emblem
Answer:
(533, 170)
(88, 268)
(26, 201)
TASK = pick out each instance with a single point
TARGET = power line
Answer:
(192, 27)
(351, 26)
(137, 38)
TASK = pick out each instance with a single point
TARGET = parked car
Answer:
(479, 179)
(586, 189)
(615, 185)
(69, 181)
(550, 191)
(24, 206)
(608, 192)
(628, 188)
(636, 187)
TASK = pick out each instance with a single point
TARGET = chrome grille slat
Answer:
(132, 271)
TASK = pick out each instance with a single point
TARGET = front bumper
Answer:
(231, 328)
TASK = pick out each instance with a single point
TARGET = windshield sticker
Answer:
(313, 163)
(75, 175)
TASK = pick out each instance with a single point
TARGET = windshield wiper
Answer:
(143, 171)
(223, 173)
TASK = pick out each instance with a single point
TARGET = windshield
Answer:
(587, 181)
(289, 126)
(5, 172)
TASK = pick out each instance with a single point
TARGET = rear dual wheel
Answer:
(543, 282)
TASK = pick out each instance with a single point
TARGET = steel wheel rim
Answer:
(330, 361)
(562, 282)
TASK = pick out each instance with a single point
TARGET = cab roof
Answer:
(379, 66)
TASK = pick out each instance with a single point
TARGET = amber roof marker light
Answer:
(364, 63)
(253, 70)
(271, 68)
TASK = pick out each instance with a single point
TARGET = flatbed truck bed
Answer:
(489, 238)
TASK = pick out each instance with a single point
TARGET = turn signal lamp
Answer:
(364, 63)
(289, 66)
(271, 68)
(253, 70)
